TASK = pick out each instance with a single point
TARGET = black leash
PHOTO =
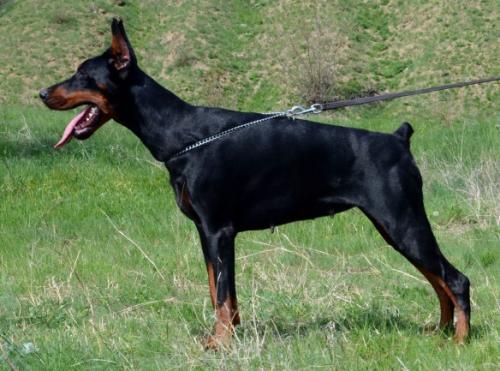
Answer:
(407, 93)
(320, 107)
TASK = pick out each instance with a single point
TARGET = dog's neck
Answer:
(154, 114)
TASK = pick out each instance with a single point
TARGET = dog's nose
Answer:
(44, 93)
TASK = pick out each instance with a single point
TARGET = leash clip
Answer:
(295, 111)
(316, 108)
(301, 110)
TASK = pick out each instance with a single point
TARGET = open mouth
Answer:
(82, 125)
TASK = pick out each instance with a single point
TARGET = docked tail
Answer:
(404, 132)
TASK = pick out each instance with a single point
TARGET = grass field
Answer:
(99, 269)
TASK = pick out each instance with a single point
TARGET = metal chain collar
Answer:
(291, 113)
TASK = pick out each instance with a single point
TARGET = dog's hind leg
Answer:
(399, 215)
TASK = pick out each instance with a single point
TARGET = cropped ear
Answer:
(121, 50)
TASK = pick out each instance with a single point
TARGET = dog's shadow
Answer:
(372, 320)
(357, 320)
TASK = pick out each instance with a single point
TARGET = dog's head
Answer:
(96, 84)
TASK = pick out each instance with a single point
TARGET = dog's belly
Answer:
(284, 209)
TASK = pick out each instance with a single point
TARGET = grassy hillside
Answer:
(79, 227)
(256, 54)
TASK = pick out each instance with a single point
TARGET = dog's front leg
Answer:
(218, 250)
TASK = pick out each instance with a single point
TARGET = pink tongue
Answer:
(68, 132)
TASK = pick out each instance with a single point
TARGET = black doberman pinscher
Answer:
(261, 176)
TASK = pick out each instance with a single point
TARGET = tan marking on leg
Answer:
(462, 325)
(224, 327)
(211, 283)
(444, 301)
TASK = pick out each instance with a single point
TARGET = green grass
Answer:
(99, 269)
